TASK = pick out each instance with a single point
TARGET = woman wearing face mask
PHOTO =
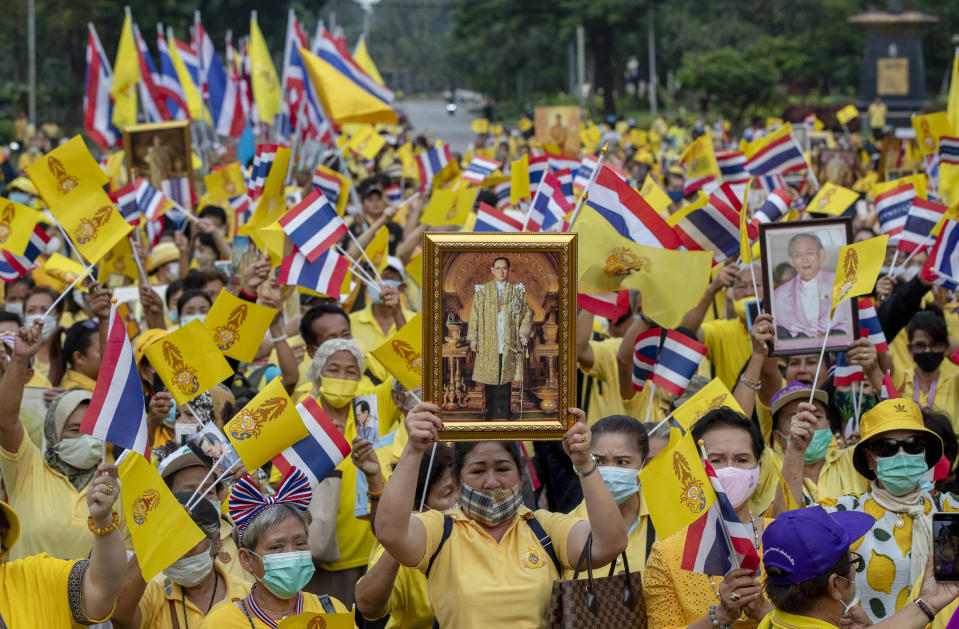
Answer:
(390, 587)
(486, 563)
(47, 366)
(204, 250)
(81, 351)
(193, 304)
(924, 383)
(185, 592)
(275, 548)
(811, 580)
(678, 598)
(47, 488)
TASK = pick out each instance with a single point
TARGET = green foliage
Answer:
(733, 81)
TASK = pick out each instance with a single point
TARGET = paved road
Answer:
(430, 117)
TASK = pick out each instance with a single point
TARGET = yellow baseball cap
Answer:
(895, 414)
(145, 340)
(13, 521)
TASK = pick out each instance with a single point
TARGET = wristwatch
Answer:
(591, 470)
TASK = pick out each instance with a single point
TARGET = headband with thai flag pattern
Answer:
(247, 501)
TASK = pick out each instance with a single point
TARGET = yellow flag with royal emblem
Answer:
(16, 225)
(59, 271)
(675, 486)
(654, 194)
(188, 362)
(366, 142)
(441, 209)
(266, 426)
(858, 269)
(700, 159)
(119, 261)
(152, 514)
(237, 326)
(94, 224)
(67, 173)
(402, 353)
(712, 396)
(266, 83)
(832, 200)
(519, 180)
(225, 182)
(314, 620)
(378, 249)
(929, 128)
(126, 76)
(847, 113)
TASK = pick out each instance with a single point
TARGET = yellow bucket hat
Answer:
(895, 414)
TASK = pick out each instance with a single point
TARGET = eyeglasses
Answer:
(921, 348)
(856, 561)
(889, 447)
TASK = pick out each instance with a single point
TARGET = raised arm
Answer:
(750, 381)
(18, 373)
(801, 428)
(108, 559)
(366, 237)
(127, 613)
(584, 332)
(624, 356)
(374, 589)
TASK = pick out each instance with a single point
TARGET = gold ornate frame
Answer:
(435, 245)
(180, 126)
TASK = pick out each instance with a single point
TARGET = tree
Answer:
(733, 81)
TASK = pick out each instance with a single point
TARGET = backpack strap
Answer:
(650, 538)
(447, 530)
(327, 603)
(544, 541)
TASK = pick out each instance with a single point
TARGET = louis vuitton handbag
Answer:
(615, 600)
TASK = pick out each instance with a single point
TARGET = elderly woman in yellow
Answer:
(678, 598)
(274, 546)
(492, 562)
(40, 591)
(47, 489)
(895, 452)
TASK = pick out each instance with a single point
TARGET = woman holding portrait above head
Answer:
(678, 598)
(924, 383)
(487, 563)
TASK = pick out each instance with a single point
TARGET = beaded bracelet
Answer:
(715, 620)
(100, 532)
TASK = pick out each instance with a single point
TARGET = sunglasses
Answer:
(856, 560)
(890, 447)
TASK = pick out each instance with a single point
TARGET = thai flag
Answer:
(37, 244)
(774, 207)
(645, 352)
(558, 163)
(930, 165)
(117, 413)
(167, 81)
(189, 59)
(317, 454)
(313, 225)
(292, 78)
(262, 163)
(892, 208)
(948, 150)
(152, 202)
(921, 218)
(153, 102)
(584, 174)
(242, 210)
(706, 550)
(235, 111)
(479, 169)
(394, 193)
(889, 391)
(713, 227)
(732, 166)
(870, 325)
(503, 191)
(178, 191)
(222, 96)
(565, 178)
(611, 306)
(537, 167)
(677, 363)
(97, 104)
(314, 121)
(325, 276)
(489, 219)
(125, 199)
(13, 266)
(326, 49)
(431, 163)
(629, 213)
(942, 265)
(549, 205)
(327, 183)
(782, 155)
(845, 374)
(770, 183)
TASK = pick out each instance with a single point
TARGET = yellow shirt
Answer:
(727, 347)
(409, 604)
(228, 615)
(73, 379)
(605, 395)
(53, 514)
(227, 560)
(477, 583)
(369, 335)
(41, 591)
(155, 603)
(877, 115)
(837, 477)
(635, 545)
(946, 396)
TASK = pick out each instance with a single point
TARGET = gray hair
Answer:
(327, 349)
(265, 520)
(809, 235)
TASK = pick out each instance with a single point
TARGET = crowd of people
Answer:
(469, 534)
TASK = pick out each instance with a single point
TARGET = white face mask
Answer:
(187, 318)
(173, 270)
(855, 599)
(16, 308)
(49, 325)
(190, 571)
(738, 483)
(183, 431)
(82, 452)
(53, 245)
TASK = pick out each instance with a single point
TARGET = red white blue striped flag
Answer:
(317, 454)
(431, 162)
(678, 362)
(479, 169)
(489, 219)
(870, 326)
(549, 205)
(892, 208)
(645, 352)
(324, 276)
(629, 213)
(921, 218)
(313, 225)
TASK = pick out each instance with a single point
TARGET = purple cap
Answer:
(787, 544)
(793, 391)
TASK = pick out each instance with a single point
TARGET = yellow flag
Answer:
(116, 170)
(480, 125)
(266, 84)
(119, 260)
(272, 239)
(449, 206)
(188, 362)
(153, 513)
(832, 199)
(414, 268)
(525, 124)
(817, 124)
(712, 396)
(194, 102)
(363, 59)
(225, 182)
(58, 272)
(366, 142)
(402, 353)
(266, 426)
(272, 205)
(238, 326)
(929, 128)
(345, 182)
(94, 226)
(410, 169)
(377, 250)
(68, 172)
(343, 100)
(675, 486)
(700, 159)
(952, 104)
(858, 269)
(917, 180)
(16, 225)
(308, 620)
(654, 194)
(701, 200)
(126, 75)
(745, 253)
(519, 180)
(847, 113)
(949, 183)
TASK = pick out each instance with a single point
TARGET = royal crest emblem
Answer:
(185, 376)
(66, 183)
(850, 268)
(148, 501)
(226, 335)
(249, 424)
(622, 262)
(6, 220)
(317, 622)
(228, 186)
(414, 360)
(826, 199)
(89, 227)
(693, 496)
(532, 558)
(717, 402)
(928, 139)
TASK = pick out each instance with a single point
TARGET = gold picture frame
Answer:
(536, 379)
(171, 144)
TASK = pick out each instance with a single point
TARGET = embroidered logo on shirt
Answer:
(532, 558)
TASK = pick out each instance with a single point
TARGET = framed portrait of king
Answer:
(499, 315)
(799, 261)
(162, 154)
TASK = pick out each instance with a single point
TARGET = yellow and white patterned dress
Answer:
(884, 582)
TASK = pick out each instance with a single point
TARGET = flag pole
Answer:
(67, 290)
(657, 426)
(822, 353)
(197, 495)
(426, 482)
(592, 178)
(925, 241)
(205, 478)
(649, 403)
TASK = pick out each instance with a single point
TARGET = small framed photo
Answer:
(162, 154)
(799, 262)
(499, 314)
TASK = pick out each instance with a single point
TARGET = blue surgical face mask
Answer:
(818, 446)
(623, 482)
(187, 318)
(900, 473)
(285, 574)
(675, 195)
(173, 316)
(21, 197)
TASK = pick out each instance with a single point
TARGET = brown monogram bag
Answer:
(603, 602)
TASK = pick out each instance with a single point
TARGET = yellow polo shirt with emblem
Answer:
(636, 543)
(41, 591)
(369, 335)
(477, 583)
(228, 615)
(227, 557)
(727, 347)
(409, 604)
(53, 514)
(160, 591)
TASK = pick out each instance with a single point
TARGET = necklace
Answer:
(216, 582)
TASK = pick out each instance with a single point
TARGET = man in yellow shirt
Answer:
(877, 117)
